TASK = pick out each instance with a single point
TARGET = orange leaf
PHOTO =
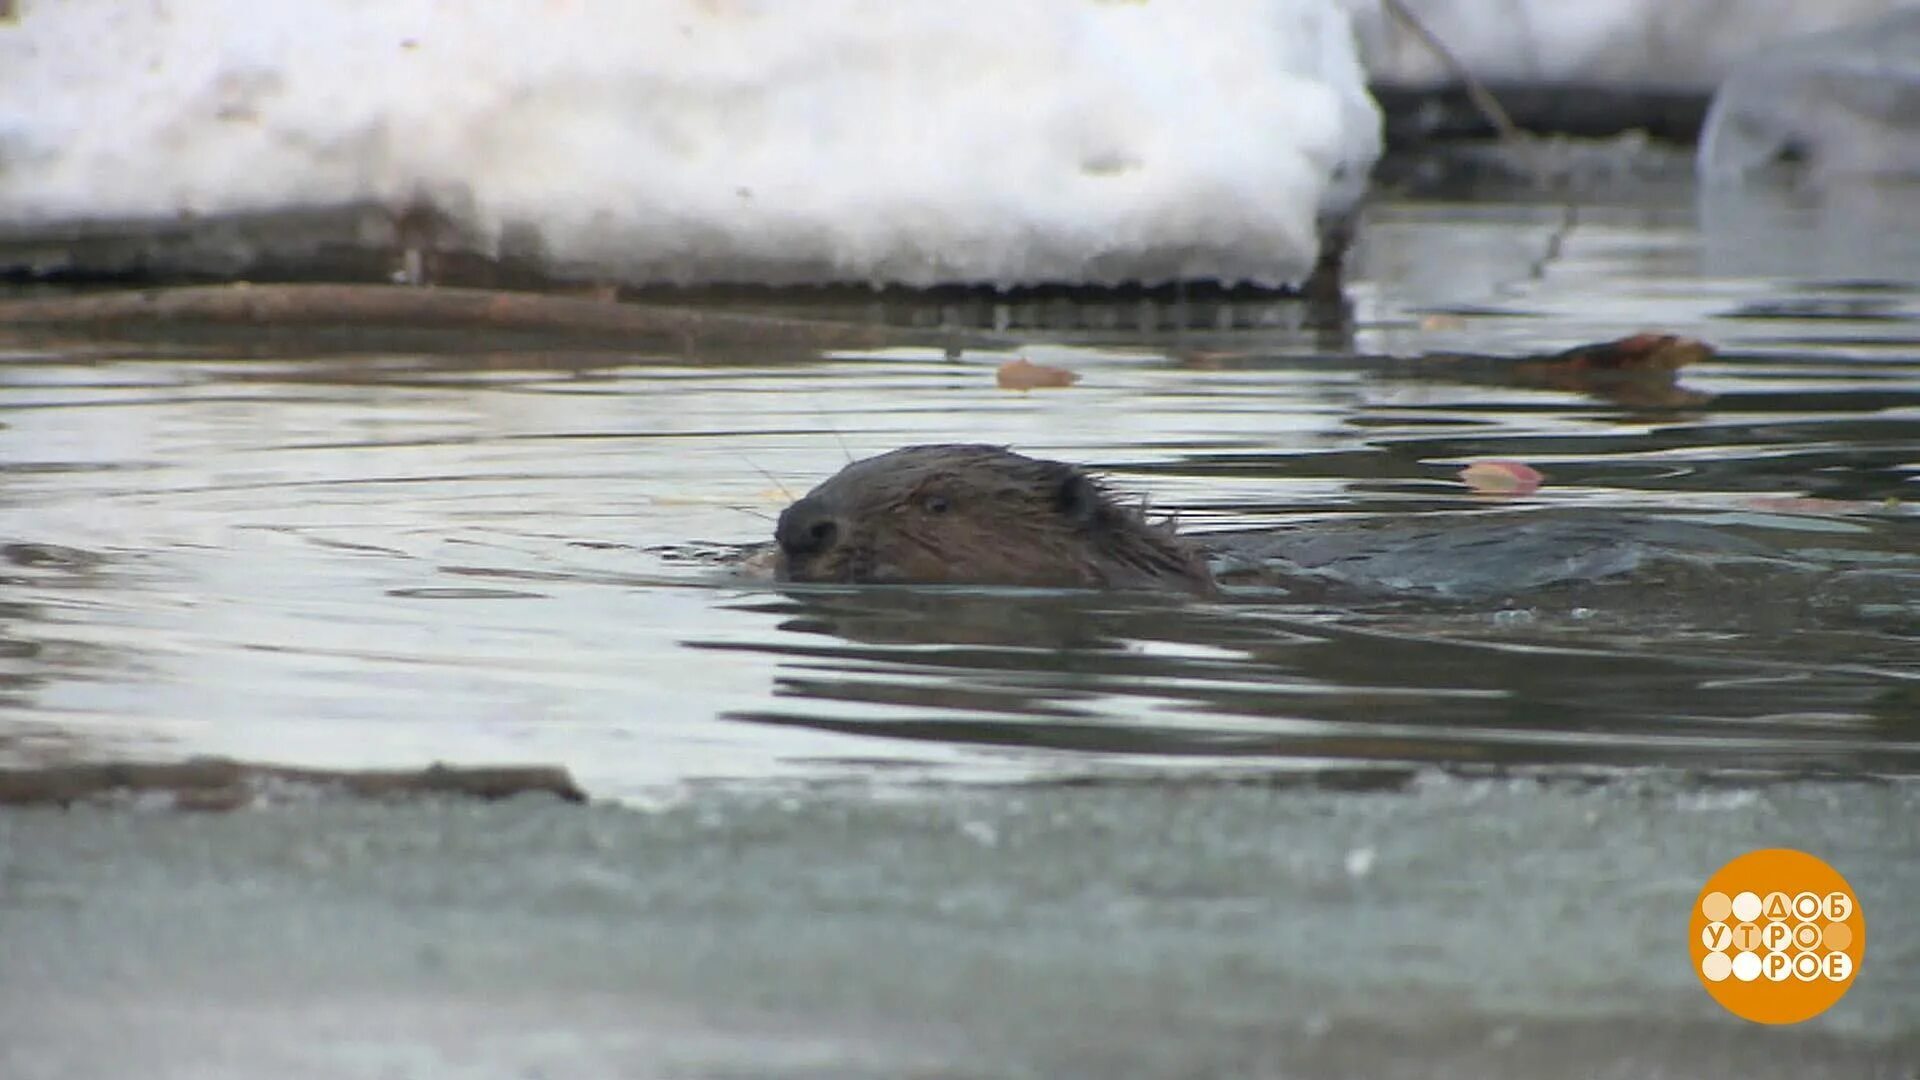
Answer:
(1024, 374)
(1501, 478)
(1641, 352)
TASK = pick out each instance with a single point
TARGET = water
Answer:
(390, 558)
(305, 555)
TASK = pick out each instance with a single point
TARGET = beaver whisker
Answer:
(770, 478)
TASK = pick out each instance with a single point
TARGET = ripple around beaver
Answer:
(1489, 556)
(984, 515)
(1519, 637)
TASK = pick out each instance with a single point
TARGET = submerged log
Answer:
(225, 784)
(436, 308)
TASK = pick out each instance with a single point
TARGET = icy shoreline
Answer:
(1005, 143)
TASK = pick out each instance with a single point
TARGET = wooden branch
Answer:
(225, 784)
(1477, 91)
(283, 305)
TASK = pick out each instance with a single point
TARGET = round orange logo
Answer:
(1777, 936)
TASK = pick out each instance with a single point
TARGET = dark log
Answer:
(224, 784)
(412, 307)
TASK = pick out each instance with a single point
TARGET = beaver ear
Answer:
(1076, 496)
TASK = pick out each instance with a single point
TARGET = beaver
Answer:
(970, 514)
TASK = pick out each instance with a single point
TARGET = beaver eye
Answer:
(935, 504)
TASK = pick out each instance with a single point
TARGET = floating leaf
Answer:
(1641, 352)
(1501, 477)
(1638, 371)
(1024, 374)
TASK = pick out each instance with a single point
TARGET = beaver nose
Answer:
(807, 527)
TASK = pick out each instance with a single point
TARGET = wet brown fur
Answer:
(979, 515)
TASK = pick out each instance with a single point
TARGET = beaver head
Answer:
(978, 515)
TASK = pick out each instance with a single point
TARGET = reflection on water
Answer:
(508, 552)
(1256, 678)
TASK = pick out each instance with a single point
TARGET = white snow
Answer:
(1646, 44)
(998, 141)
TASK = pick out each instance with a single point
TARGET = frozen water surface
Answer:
(1444, 928)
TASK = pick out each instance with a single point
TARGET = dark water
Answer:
(1264, 804)
(385, 558)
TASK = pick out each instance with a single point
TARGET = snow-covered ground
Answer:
(998, 141)
(1645, 44)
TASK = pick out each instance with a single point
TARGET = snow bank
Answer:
(1001, 141)
(1643, 44)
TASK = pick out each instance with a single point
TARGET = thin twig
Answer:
(1557, 241)
(1477, 92)
(1503, 125)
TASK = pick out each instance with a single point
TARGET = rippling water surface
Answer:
(477, 554)
(899, 831)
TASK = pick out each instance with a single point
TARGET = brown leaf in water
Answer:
(1501, 478)
(1640, 352)
(1024, 374)
(1637, 371)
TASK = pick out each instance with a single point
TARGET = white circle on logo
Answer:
(1806, 906)
(1716, 967)
(1716, 937)
(1806, 966)
(1746, 966)
(1746, 907)
(1777, 967)
(1839, 906)
(1839, 966)
(1775, 936)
